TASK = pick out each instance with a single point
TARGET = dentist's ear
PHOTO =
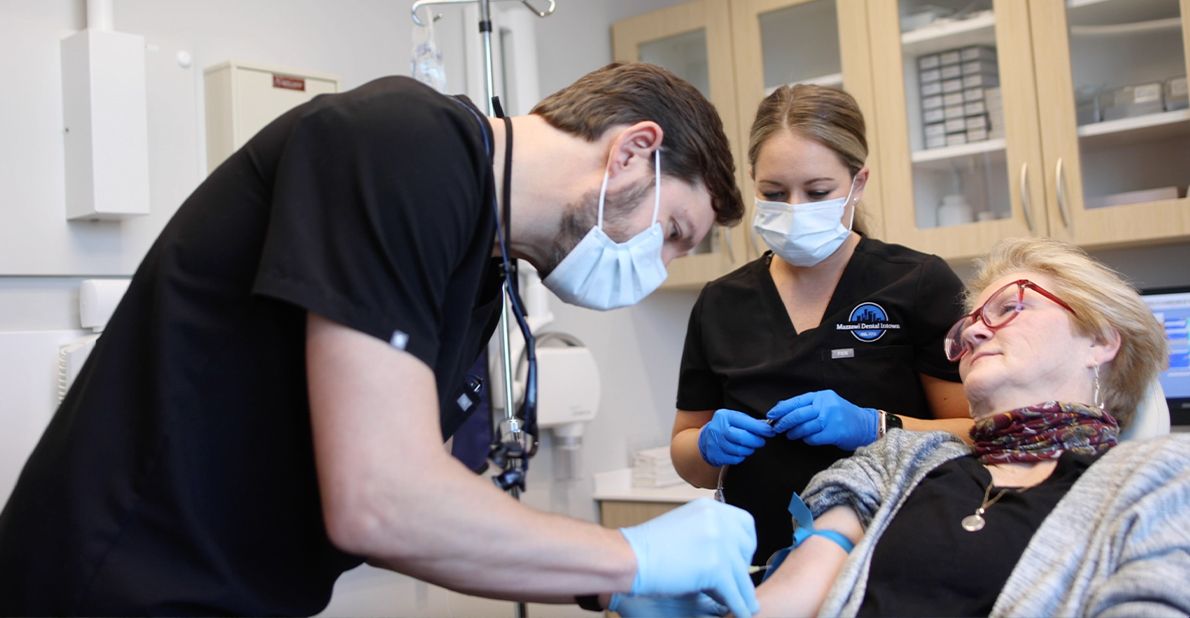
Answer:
(635, 146)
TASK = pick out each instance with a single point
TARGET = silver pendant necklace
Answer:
(975, 523)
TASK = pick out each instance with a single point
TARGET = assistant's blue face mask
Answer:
(804, 234)
(601, 274)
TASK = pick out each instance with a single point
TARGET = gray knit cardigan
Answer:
(1118, 544)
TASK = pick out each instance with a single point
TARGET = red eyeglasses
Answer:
(999, 310)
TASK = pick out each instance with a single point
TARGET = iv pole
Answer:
(512, 434)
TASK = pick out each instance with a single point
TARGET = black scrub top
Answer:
(926, 564)
(884, 324)
(178, 475)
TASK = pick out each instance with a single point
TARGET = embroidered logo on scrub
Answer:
(868, 322)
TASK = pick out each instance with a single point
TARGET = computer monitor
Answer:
(1171, 306)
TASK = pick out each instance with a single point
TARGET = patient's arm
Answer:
(799, 586)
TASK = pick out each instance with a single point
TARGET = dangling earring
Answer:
(1098, 397)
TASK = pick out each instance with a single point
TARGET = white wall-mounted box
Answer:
(106, 130)
(242, 97)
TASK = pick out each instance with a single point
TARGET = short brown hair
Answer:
(1103, 303)
(826, 115)
(695, 147)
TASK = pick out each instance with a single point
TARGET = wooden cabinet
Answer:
(625, 513)
(735, 52)
(694, 41)
(1057, 161)
(623, 504)
(1094, 48)
(1074, 121)
(778, 42)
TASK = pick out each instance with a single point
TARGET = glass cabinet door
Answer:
(779, 42)
(1116, 128)
(694, 41)
(958, 123)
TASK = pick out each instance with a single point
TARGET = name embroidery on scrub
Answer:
(868, 322)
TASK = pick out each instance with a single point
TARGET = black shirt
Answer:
(178, 476)
(926, 564)
(884, 325)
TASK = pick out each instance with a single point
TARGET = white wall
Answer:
(637, 348)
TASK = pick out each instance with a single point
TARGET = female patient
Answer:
(1045, 515)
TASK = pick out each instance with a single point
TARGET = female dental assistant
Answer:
(832, 336)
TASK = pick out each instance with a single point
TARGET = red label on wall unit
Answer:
(289, 83)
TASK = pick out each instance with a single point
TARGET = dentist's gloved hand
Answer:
(731, 436)
(684, 606)
(823, 417)
(702, 546)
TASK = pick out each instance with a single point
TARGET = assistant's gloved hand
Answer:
(684, 606)
(823, 417)
(731, 436)
(702, 546)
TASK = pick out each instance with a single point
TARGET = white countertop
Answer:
(617, 485)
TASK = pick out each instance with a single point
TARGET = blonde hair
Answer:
(826, 115)
(1103, 304)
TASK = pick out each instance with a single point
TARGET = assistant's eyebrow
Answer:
(783, 183)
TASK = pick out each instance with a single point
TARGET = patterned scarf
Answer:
(1042, 432)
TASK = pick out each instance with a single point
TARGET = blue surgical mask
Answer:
(600, 273)
(803, 234)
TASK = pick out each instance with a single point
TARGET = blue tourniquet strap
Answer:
(805, 526)
(805, 529)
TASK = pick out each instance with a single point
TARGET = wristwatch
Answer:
(889, 421)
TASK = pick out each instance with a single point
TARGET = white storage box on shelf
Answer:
(965, 78)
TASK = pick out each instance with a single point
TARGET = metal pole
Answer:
(510, 420)
(510, 423)
(485, 31)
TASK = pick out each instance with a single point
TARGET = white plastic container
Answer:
(954, 211)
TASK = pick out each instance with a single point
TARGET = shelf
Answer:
(1110, 133)
(940, 158)
(1104, 12)
(617, 485)
(1138, 28)
(834, 79)
(944, 35)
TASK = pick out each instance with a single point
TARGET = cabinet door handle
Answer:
(1058, 180)
(726, 234)
(1025, 197)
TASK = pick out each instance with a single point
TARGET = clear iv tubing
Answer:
(719, 498)
(723, 472)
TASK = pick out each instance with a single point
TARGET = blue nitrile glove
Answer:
(731, 436)
(702, 546)
(823, 417)
(684, 606)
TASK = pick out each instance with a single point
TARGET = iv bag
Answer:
(426, 65)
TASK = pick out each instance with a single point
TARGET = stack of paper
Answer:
(653, 468)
